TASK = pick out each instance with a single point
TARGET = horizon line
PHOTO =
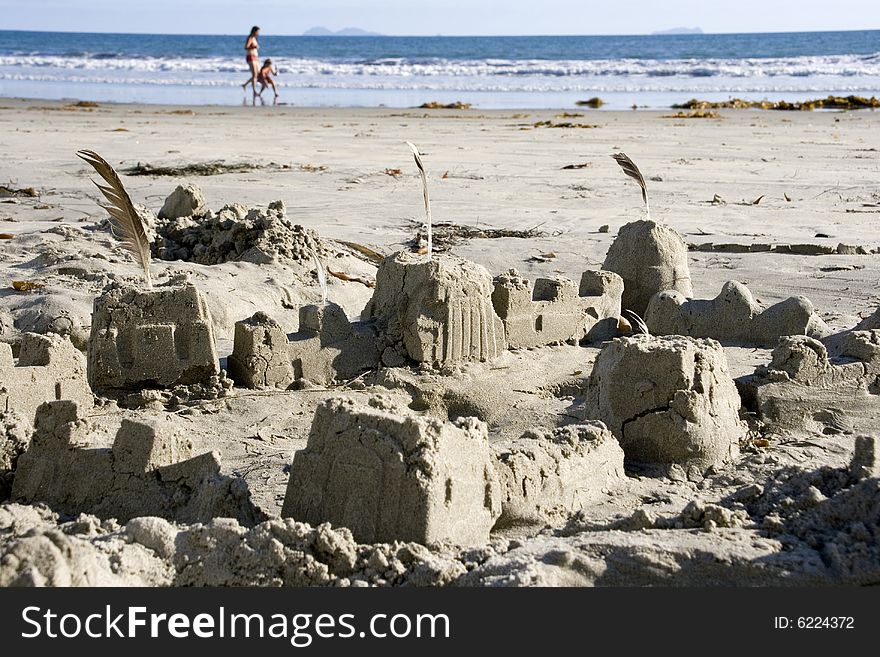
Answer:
(658, 33)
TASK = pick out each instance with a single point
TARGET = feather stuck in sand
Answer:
(629, 168)
(630, 322)
(418, 158)
(126, 224)
(322, 276)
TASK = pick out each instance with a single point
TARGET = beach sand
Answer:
(494, 169)
(815, 174)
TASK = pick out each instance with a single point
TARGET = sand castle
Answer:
(161, 337)
(260, 357)
(669, 400)
(389, 475)
(435, 311)
(149, 471)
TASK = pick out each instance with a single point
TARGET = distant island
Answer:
(346, 31)
(679, 30)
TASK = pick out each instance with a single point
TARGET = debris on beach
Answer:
(790, 249)
(457, 105)
(199, 169)
(447, 235)
(27, 286)
(830, 102)
(8, 191)
(595, 102)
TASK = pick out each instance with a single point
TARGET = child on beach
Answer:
(264, 77)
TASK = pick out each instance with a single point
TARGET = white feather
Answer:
(322, 276)
(418, 158)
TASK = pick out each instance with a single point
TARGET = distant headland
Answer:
(346, 31)
(679, 30)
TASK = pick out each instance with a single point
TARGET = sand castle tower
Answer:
(436, 310)
(650, 258)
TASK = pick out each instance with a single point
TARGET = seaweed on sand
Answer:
(563, 124)
(457, 105)
(595, 102)
(696, 114)
(198, 169)
(447, 234)
(830, 102)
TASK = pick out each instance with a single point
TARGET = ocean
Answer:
(489, 72)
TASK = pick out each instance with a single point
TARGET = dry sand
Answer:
(816, 175)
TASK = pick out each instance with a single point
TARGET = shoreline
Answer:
(571, 108)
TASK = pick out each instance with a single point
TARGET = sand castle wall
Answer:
(804, 389)
(548, 475)
(48, 368)
(732, 317)
(329, 348)
(553, 310)
(149, 471)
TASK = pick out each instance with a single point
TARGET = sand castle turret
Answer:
(650, 258)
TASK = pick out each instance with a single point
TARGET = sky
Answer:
(430, 17)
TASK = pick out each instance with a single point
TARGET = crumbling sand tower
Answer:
(259, 357)
(651, 258)
(156, 338)
(669, 400)
(436, 311)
